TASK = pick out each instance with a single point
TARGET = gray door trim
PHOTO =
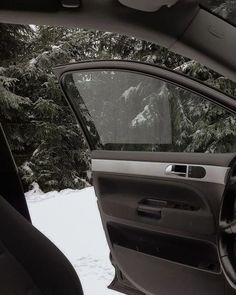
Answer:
(214, 174)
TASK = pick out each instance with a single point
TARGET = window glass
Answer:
(131, 111)
(224, 8)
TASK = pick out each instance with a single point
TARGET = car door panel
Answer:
(160, 208)
(174, 201)
(159, 253)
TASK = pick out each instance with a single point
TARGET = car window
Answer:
(132, 111)
(223, 8)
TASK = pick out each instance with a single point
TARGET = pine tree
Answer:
(44, 136)
(14, 109)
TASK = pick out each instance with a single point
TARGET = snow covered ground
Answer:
(70, 219)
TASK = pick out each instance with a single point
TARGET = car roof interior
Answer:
(183, 26)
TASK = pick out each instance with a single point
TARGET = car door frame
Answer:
(175, 78)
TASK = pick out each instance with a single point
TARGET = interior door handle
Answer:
(177, 170)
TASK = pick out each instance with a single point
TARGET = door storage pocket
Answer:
(161, 276)
(194, 253)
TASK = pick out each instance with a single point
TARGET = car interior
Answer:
(168, 215)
